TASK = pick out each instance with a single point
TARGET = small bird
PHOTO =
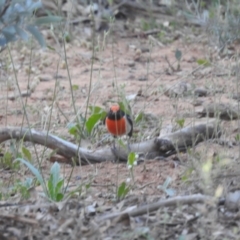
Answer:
(118, 123)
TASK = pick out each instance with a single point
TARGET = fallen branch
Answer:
(220, 110)
(18, 218)
(161, 146)
(176, 201)
(62, 147)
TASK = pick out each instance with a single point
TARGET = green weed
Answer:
(53, 188)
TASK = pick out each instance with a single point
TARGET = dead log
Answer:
(157, 147)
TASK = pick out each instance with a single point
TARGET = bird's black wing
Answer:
(131, 124)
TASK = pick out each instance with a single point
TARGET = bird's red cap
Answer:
(114, 108)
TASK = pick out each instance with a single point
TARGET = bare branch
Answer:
(161, 146)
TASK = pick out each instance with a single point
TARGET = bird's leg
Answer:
(114, 144)
(128, 145)
(113, 148)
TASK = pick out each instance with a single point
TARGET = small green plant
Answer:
(169, 191)
(78, 130)
(75, 87)
(54, 187)
(148, 24)
(97, 114)
(180, 122)
(26, 154)
(67, 37)
(75, 130)
(23, 187)
(237, 137)
(132, 161)
(187, 173)
(55, 183)
(7, 158)
(122, 191)
(6, 161)
(161, 35)
(139, 117)
(203, 62)
(178, 56)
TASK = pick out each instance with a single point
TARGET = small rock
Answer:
(131, 97)
(235, 69)
(46, 62)
(138, 54)
(145, 49)
(45, 78)
(200, 92)
(142, 79)
(236, 96)
(25, 93)
(128, 63)
(90, 210)
(177, 90)
(29, 70)
(33, 85)
(197, 102)
(232, 201)
(139, 93)
(131, 77)
(63, 65)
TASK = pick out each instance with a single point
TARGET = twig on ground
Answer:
(176, 201)
(19, 218)
(169, 64)
(147, 184)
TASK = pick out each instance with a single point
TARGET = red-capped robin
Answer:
(118, 123)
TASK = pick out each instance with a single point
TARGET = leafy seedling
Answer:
(23, 187)
(139, 117)
(187, 174)
(6, 161)
(180, 122)
(35, 172)
(74, 129)
(178, 56)
(75, 87)
(237, 138)
(97, 114)
(124, 105)
(122, 191)
(203, 62)
(132, 161)
(26, 154)
(169, 191)
(54, 189)
(55, 183)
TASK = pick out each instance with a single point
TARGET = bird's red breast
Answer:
(116, 127)
(118, 123)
